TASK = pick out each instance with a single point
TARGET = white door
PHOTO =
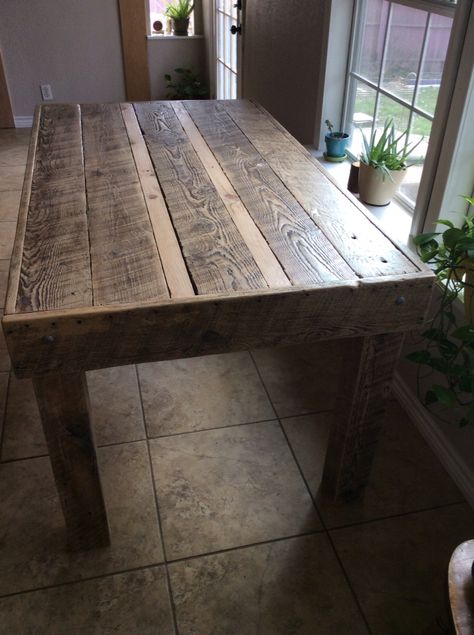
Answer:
(228, 19)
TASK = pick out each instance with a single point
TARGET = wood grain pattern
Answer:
(97, 338)
(350, 231)
(366, 382)
(263, 255)
(125, 263)
(174, 267)
(17, 253)
(133, 27)
(55, 269)
(64, 408)
(216, 255)
(303, 251)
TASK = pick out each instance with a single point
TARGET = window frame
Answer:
(353, 76)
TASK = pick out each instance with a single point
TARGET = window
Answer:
(398, 55)
(226, 16)
(157, 10)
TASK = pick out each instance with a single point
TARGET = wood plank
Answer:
(174, 267)
(6, 113)
(215, 253)
(55, 269)
(17, 253)
(204, 325)
(64, 408)
(302, 249)
(133, 27)
(359, 241)
(263, 255)
(124, 257)
(365, 386)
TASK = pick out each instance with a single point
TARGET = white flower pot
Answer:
(376, 187)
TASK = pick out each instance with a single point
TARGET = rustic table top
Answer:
(128, 206)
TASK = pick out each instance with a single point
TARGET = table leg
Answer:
(366, 381)
(63, 403)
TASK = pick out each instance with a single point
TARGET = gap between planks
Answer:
(174, 267)
(264, 257)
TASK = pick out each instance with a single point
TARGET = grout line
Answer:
(318, 512)
(157, 509)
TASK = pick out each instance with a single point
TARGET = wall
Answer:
(72, 45)
(164, 55)
(284, 60)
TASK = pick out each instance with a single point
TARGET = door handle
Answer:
(235, 29)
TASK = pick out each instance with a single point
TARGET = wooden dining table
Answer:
(163, 230)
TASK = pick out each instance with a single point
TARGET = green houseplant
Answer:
(336, 144)
(186, 85)
(383, 164)
(179, 12)
(449, 347)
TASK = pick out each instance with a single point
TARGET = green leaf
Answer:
(442, 221)
(464, 333)
(446, 396)
(435, 335)
(451, 237)
(420, 357)
(425, 238)
(430, 398)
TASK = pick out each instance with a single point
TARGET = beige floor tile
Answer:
(115, 404)
(300, 379)
(291, 587)
(4, 357)
(33, 550)
(406, 475)
(9, 204)
(135, 602)
(115, 407)
(4, 267)
(203, 392)
(7, 235)
(219, 489)
(398, 567)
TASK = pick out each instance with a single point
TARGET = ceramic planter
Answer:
(180, 27)
(377, 188)
(336, 144)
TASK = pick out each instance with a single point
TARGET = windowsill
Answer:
(163, 36)
(394, 218)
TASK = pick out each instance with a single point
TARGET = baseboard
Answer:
(23, 122)
(455, 465)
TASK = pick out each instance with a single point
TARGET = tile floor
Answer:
(211, 469)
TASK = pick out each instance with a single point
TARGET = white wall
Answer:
(72, 45)
(164, 55)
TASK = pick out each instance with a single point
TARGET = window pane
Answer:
(389, 109)
(368, 56)
(420, 129)
(404, 44)
(363, 117)
(436, 47)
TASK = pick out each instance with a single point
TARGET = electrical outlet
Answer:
(46, 92)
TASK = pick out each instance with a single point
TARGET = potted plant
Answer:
(179, 12)
(336, 144)
(187, 85)
(449, 348)
(383, 164)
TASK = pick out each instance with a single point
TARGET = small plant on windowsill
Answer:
(449, 348)
(187, 85)
(336, 144)
(179, 12)
(383, 164)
